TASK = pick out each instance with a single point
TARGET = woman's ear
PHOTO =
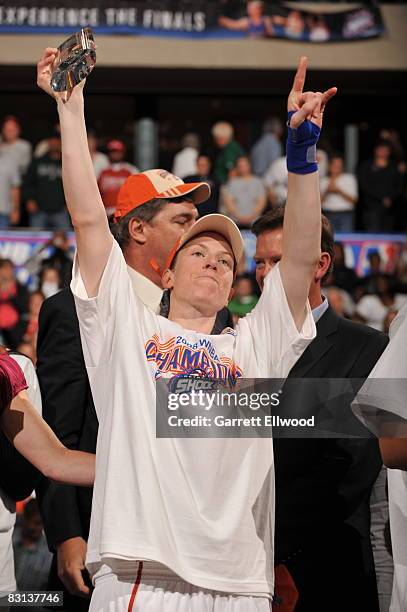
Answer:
(136, 229)
(167, 279)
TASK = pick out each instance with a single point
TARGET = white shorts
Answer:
(153, 590)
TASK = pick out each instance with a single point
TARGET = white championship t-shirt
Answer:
(7, 506)
(185, 503)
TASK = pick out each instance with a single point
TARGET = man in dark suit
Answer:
(323, 486)
(68, 409)
(67, 400)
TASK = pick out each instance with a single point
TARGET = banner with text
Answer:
(191, 18)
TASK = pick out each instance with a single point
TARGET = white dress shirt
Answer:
(148, 292)
(320, 310)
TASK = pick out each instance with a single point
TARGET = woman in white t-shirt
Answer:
(7, 505)
(20, 419)
(31, 435)
(175, 525)
(339, 194)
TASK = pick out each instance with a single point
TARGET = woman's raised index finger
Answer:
(300, 75)
(327, 95)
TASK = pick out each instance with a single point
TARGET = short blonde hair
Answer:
(222, 129)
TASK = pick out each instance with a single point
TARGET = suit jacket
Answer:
(323, 485)
(69, 410)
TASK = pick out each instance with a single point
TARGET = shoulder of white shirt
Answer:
(30, 375)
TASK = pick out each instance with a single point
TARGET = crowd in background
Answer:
(373, 299)
(244, 184)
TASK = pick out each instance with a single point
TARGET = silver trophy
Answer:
(75, 60)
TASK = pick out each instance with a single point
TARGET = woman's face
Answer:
(202, 275)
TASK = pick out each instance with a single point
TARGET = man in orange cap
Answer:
(172, 524)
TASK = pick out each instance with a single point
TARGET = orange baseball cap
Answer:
(151, 184)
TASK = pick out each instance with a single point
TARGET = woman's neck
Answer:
(203, 325)
(191, 317)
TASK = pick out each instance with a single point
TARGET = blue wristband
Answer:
(301, 147)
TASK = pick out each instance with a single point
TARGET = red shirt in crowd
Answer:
(110, 181)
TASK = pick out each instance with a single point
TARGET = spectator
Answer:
(268, 148)
(244, 298)
(323, 163)
(276, 180)
(398, 153)
(13, 305)
(9, 192)
(43, 187)
(380, 184)
(341, 276)
(28, 350)
(42, 147)
(60, 259)
(35, 301)
(340, 301)
(185, 160)
(402, 270)
(230, 150)
(370, 283)
(244, 195)
(31, 554)
(336, 301)
(50, 281)
(113, 177)
(204, 174)
(167, 144)
(373, 309)
(100, 160)
(339, 194)
(12, 147)
(375, 263)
